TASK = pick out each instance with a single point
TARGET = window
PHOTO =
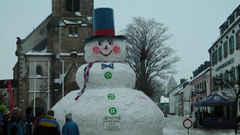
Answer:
(226, 76)
(73, 31)
(220, 53)
(238, 39)
(72, 5)
(215, 57)
(212, 58)
(225, 49)
(231, 45)
(39, 71)
(233, 76)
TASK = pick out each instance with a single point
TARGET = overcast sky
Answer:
(193, 23)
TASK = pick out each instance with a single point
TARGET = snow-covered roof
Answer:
(39, 49)
(75, 22)
(204, 71)
(68, 54)
(78, 14)
(180, 90)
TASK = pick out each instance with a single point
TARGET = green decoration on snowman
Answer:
(108, 75)
(111, 96)
(112, 110)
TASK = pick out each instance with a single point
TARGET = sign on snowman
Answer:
(107, 104)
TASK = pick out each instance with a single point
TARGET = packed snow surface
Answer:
(137, 113)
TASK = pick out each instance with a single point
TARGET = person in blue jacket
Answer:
(47, 125)
(70, 127)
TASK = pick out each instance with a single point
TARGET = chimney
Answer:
(182, 81)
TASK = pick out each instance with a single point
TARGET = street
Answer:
(174, 126)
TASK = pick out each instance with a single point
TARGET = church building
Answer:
(48, 58)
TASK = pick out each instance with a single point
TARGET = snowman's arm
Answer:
(80, 76)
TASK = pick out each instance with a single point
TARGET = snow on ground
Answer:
(174, 126)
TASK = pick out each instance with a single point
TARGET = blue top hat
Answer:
(103, 23)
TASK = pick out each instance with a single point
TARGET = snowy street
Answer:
(175, 127)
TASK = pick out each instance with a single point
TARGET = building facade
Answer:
(201, 84)
(224, 55)
(48, 58)
(176, 98)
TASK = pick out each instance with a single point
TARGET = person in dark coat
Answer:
(1, 120)
(28, 121)
(70, 127)
(15, 125)
(5, 122)
(47, 125)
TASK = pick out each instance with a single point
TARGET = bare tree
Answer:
(159, 89)
(148, 55)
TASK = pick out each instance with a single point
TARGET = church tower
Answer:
(64, 7)
(48, 58)
(70, 24)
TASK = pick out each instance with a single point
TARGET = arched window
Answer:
(238, 39)
(39, 71)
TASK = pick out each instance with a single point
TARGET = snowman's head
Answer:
(105, 48)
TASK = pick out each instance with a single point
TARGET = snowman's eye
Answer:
(100, 42)
(110, 42)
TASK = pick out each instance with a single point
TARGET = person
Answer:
(16, 123)
(27, 120)
(70, 127)
(5, 122)
(39, 116)
(47, 125)
(1, 125)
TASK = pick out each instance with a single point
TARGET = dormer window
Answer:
(235, 14)
(72, 5)
(229, 22)
(73, 31)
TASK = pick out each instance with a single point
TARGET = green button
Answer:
(112, 110)
(108, 75)
(111, 96)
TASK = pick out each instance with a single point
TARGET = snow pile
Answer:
(174, 126)
(138, 114)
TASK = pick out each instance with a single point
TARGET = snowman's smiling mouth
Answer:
(106, 54)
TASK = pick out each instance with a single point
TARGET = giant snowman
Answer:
(107, 104)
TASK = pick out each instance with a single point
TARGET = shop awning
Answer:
(214, 100)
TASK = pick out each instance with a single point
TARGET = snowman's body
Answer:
(102, 76)
(135, 113)
(108, 104)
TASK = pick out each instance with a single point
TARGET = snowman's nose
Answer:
(106, 47)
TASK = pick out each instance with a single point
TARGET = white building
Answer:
(225, 55)
(176, 99)
(186, 100)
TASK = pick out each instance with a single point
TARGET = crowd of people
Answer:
(15, 123)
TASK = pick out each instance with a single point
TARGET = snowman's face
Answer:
(105, 49)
